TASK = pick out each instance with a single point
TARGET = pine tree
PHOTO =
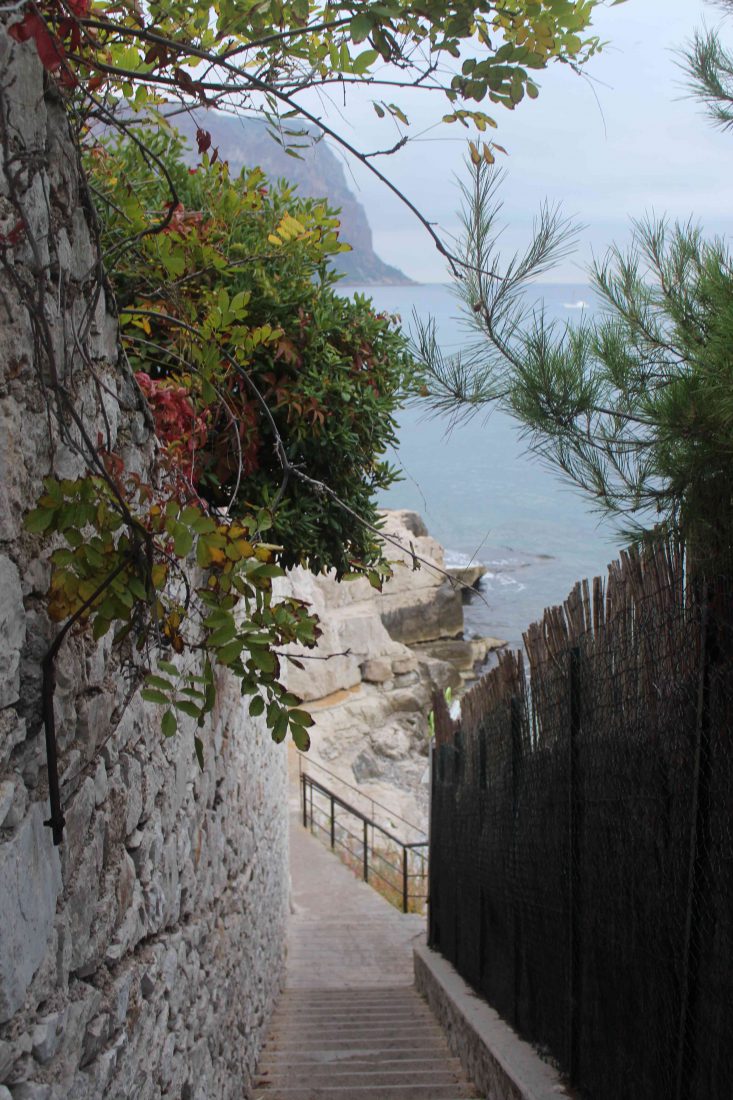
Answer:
(636, 406)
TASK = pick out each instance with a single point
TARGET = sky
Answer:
(624, 142)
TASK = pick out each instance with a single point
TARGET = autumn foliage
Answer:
(241, 344)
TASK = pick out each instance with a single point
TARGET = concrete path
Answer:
(350, 1025)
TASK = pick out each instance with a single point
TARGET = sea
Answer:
(483, 495)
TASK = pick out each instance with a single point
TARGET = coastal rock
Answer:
(379, 660)
(465, 655)
(468, 576)
(424, 617)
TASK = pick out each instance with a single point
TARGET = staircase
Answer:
(350, 1025)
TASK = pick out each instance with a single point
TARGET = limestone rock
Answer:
(467, 575)
(122, 973)
(7, 794)
(403, 644)
(376, 670)
(424, 618)
(464, 655)
(12, 631)
(30, 883)
(411, 521)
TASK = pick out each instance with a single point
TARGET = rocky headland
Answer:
(370, 682)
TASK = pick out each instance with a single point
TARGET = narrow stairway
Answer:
(350, 1025)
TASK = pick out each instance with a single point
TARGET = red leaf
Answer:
(203, 140)
(14, 235)
(50, 51)
(80, 8)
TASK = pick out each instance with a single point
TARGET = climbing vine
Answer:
(271, 397)
(254, 370)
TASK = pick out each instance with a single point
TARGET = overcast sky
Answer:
(623, 143)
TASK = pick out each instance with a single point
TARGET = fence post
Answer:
(574, 969)
(366, 852)
(333, 823)
(305, 802)
(699, 810)
(515, 725)
(432, 937)
(404, 880)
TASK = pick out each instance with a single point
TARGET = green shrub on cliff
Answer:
(262, 379)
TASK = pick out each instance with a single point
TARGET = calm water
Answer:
(484, 497)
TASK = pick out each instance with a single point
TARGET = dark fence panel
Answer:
(581, 861)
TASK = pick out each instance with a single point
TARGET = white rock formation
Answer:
(368, 690)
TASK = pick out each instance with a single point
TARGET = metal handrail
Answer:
(309, 785)
(303, 759)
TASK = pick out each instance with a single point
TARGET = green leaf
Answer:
(263, 659)
(360, 26)
(169, 724)
(301, 717)
(137, 588)
(199, 747)
(152, 695)
(182, 541)
(158, 682)
(280, 727)
(39, 520)
(223, 634)
(193, 710)
(301, 738)
(229, 652)
(257, 706)
(364, 61)
(100, 627)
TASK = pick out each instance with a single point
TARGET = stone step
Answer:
(420, 1091)
(353, 1062)
(373, 1046)
(384, 1078)
(350, 1025)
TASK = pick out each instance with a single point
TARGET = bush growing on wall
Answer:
(231, 319)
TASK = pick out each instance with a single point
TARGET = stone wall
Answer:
(141, 957)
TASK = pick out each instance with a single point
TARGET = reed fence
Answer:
(581, 855)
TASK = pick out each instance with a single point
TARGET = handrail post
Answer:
(333, 822)
(305, 803)
(404, 880)
(366, 852)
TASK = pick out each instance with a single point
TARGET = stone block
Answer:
(376, 670)
(7, 795)
(406, 663)
(424, 617)
(12, 733)
(411, 521)
(366, 767)
(47, 1034)
(12, 631)
(30, 883)
(32, 1090)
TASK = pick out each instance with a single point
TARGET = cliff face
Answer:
(382, 655)
(319, 174)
